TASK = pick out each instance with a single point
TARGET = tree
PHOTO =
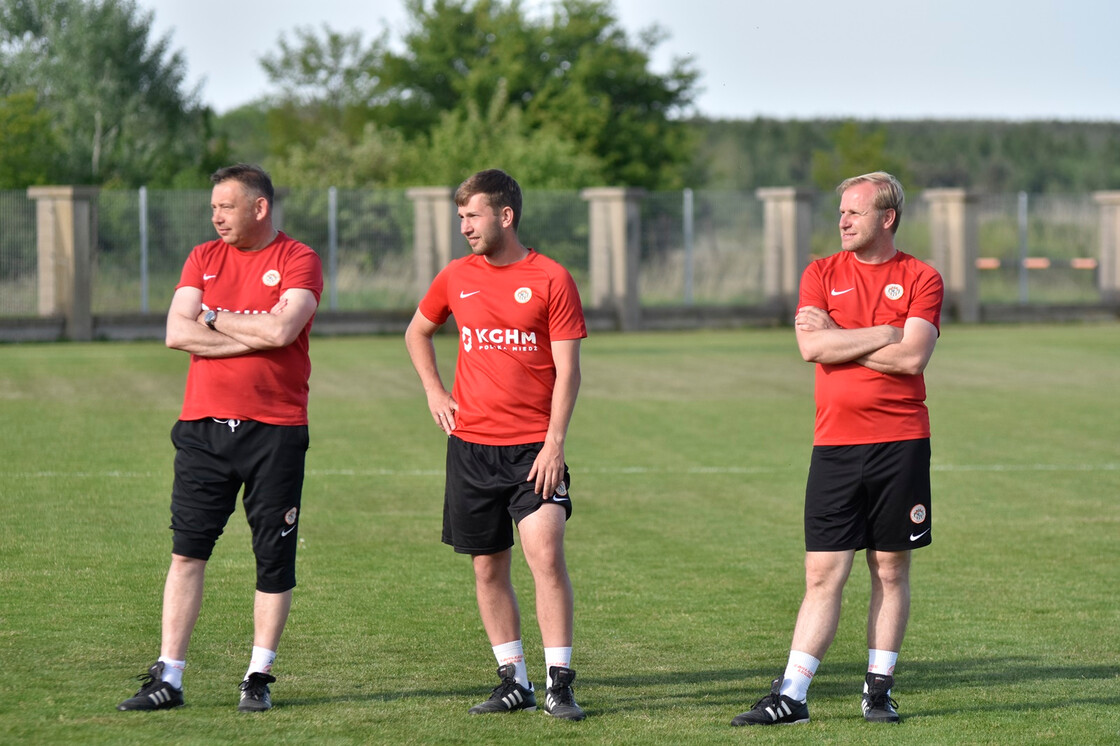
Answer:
(569, 92)
(575, 72)
(115, 97)
(328, 84)
(499, 138)
(855, 150)
(378, 157)
(27, 143)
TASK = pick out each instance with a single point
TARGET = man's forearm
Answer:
(837, 346)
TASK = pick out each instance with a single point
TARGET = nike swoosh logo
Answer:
(467, 295)
(558, 499)
(841, 292)
(915, 537)
(208, 277)
(290, 529)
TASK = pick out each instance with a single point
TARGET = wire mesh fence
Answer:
(697, 247)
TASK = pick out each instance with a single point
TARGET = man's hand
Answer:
(548, 470)
(812, 319)
(443, 408)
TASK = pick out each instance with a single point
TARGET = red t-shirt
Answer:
(856, 405)
(266, 386)
(508, 318)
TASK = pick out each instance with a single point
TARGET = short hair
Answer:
(255, 179)
(500, 188)
(888, 196)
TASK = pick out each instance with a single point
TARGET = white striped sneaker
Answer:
(508, 696)
(154, 693)
(255, 695)
(560, 700)
(774, 709)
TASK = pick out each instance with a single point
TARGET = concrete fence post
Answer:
(1108, 270)
(954, 246)
(787, 225)
(434, 232)
(66, 224)
(614, 251)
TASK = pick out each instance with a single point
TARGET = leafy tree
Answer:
(567, 98)
(541, 158)
(855, 150)
(27, 144)
(575, 72)
(115, 97)
(244, 132)
(329, 83)
(336, 70)
(378, 157)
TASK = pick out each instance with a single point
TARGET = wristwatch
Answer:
(209, 319)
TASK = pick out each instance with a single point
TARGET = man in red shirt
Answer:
(243, 310)
(516, 379)
(868, 317)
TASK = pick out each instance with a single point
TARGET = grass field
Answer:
(688, 455)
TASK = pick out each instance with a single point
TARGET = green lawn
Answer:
(688, 454)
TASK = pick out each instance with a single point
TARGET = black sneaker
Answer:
(878, 707)
(560, 700)
(154, 694)
(774, 709)
(255, 696)
(509, 696)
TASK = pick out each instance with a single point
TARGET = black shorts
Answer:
(874, 496)
(486, 493)
(213, 460)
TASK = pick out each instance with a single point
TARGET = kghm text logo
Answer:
(509, 340)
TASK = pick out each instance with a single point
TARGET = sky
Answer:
(785, 59)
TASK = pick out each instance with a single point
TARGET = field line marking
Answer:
(616, 470)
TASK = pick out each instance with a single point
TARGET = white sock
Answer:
(512, 653)
(799, 674)
(261, 661)
(880, 662)
(173, 671)
(555, 657)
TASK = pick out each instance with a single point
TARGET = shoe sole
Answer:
(791, 722)
(473, 711)
(253, 706)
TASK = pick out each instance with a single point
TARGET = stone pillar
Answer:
(66, 226)
(434, 228)
(787, 225)
(954, 246)
(1108, 271)
(614, 249)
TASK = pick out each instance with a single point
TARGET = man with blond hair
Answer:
(868, 319)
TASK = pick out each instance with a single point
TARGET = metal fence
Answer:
(697, 247)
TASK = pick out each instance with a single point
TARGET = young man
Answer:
(243, 310)
(516, 379)
(869, 317)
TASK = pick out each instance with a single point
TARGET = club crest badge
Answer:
(271, 278)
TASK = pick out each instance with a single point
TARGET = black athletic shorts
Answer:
(874, 496)
(213, 460)
(486, 492)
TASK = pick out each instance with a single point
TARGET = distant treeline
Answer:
(989, 156)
